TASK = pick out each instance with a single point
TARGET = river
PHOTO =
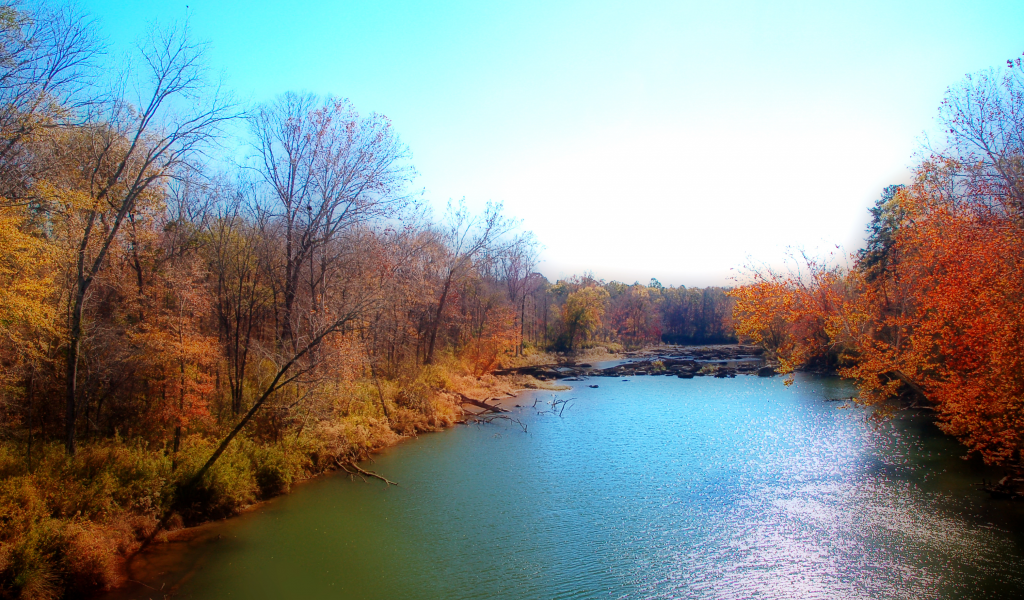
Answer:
(655, 487)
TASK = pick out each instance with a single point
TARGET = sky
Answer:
(677, 140)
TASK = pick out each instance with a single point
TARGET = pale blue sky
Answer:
(636, 139)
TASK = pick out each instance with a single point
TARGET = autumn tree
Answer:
(325, 170)
(464, 238)
(132, 149)
(581, 314)
(516, 264)
(801, 317)
(490, 327)
(46, 83)
(30, 323)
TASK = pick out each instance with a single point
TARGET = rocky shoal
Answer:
(685, 362)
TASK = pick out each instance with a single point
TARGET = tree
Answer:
(491, 327)
(804, 317)
(45, 83)
(887, 216)
(581, 314)
(946, 321)
(127, 154)
(29, 316)
(635, 316)
(345, 302)
(516, 265)
(237, 256)
(464, 238)
(984, 147)
(326, 171)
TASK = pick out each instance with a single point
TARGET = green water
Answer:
(653, 488)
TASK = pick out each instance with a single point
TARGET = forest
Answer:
(202, 301)
(929, 314)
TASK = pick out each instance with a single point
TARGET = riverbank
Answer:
(69, 524)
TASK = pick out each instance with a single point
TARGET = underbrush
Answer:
(68, 523)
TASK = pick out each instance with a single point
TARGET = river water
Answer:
(656, 487)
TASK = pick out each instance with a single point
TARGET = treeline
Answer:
(931, 312)
(582, 311)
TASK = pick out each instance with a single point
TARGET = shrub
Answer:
(41, 556)
(436, 376)
(353, 437)
(276, 466)
(223, 491)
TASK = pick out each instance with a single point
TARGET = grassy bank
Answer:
(67, 524)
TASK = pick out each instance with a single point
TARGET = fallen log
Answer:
(487, 407)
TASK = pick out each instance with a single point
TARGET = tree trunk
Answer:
(290, 280)
(287, 335)
(72, 370)
(31, 400)
(181, 408)
(437, 321)
(522, 326)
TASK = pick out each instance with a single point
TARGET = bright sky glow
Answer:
(636, 139)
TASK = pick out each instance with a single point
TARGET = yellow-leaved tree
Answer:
(581, 314)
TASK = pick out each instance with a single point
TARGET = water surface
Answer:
(656, 487)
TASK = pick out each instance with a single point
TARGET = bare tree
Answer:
(46, 63)
(465, 237)
(983, 118)
(237, 256)
(515, 265)
(133, 149)
(327, 171)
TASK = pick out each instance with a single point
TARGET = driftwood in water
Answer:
(558, 406)
(353, 469)
(480, 403)
(490, 412)
(485, 418)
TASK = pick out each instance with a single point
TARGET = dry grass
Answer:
(593, 354)
(67, 523)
